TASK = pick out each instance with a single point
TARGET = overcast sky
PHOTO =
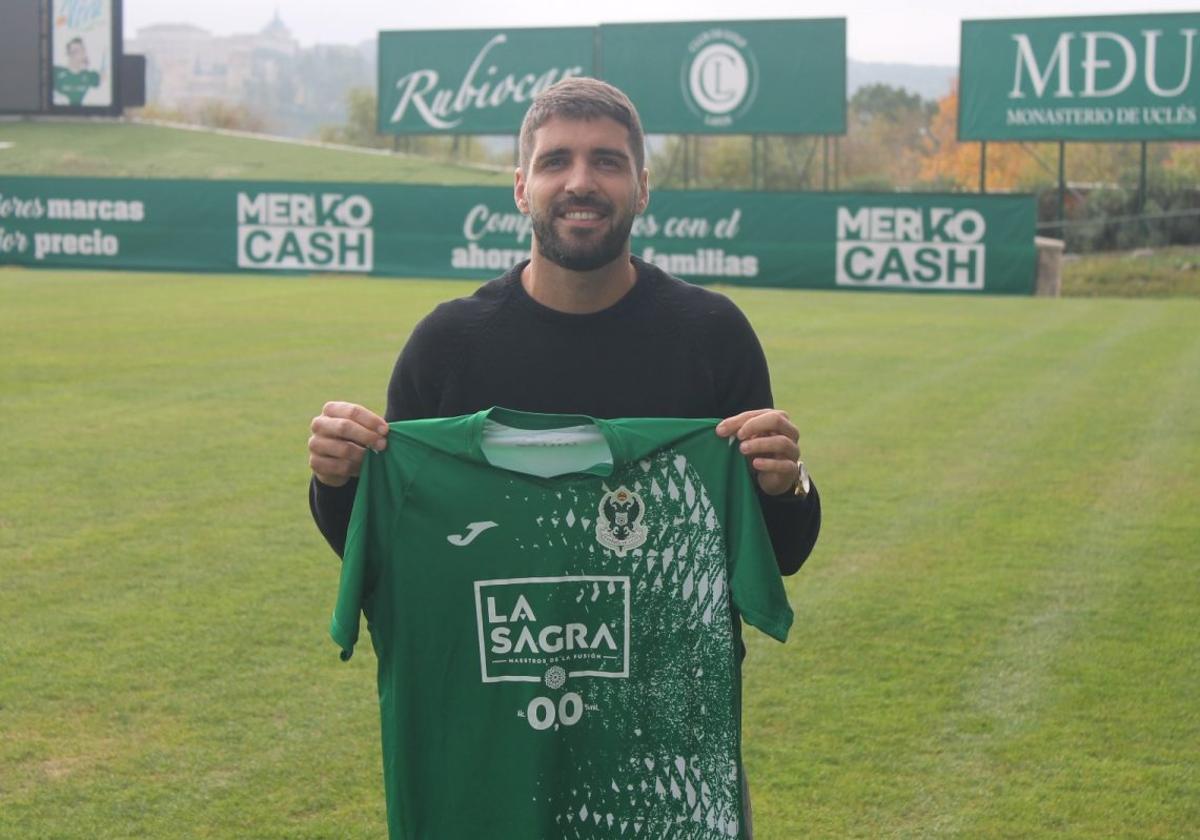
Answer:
(876, 30)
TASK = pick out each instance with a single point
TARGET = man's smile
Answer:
(583, 212)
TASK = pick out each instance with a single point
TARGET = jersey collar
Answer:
(536, 422)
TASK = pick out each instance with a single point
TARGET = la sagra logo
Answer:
(532, 628)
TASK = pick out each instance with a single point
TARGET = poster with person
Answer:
(82, 49)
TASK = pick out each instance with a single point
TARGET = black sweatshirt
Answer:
(666, 349)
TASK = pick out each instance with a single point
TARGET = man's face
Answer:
(76, 56)
(581, 192)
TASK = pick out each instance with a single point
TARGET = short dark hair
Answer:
(582, 98)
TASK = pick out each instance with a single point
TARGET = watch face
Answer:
(803, 484)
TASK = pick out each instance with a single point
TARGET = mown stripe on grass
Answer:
(949, 610)
(1012, 691)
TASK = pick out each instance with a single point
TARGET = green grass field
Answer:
(995, 638)
(105, 149)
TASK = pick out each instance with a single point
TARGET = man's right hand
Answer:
(341, 434)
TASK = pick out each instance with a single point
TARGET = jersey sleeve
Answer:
(756, 586)
(744, 383)
(366, 533)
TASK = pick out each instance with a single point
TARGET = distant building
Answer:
(293, 89)
(185, 63)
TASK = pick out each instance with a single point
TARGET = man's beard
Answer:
(588, 254)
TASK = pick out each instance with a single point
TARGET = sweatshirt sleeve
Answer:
(330, 507)
(411, 394)
(756, 587)
(356, 583)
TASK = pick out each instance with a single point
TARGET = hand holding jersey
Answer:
(341, 434)
(770, 442)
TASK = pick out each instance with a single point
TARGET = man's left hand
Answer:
(769, 441)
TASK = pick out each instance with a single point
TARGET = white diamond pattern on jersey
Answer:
(680, 693)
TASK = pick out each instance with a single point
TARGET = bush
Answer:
(1108, 218)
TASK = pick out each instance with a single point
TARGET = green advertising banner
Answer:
(473, 81)
(734, 77)
(726, 77)
(1117, 77)
(918, 242)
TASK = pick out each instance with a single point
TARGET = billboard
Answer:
(726, 77)
(929, 243)
(20, 57)
(1116, 78)
(473, 81)
(732, 77)
(85, 50)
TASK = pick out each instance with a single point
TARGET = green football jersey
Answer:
(554, 604)
(74, 86)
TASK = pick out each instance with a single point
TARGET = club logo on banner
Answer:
(294, 231)
(719, 76)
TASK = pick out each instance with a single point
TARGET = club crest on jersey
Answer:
(619, 526)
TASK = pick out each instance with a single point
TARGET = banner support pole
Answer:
(1141, 200)
(753, 161)
(1142, 181)
(825, 162)
(1062, 189)
(764, 165)
(836, 160)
